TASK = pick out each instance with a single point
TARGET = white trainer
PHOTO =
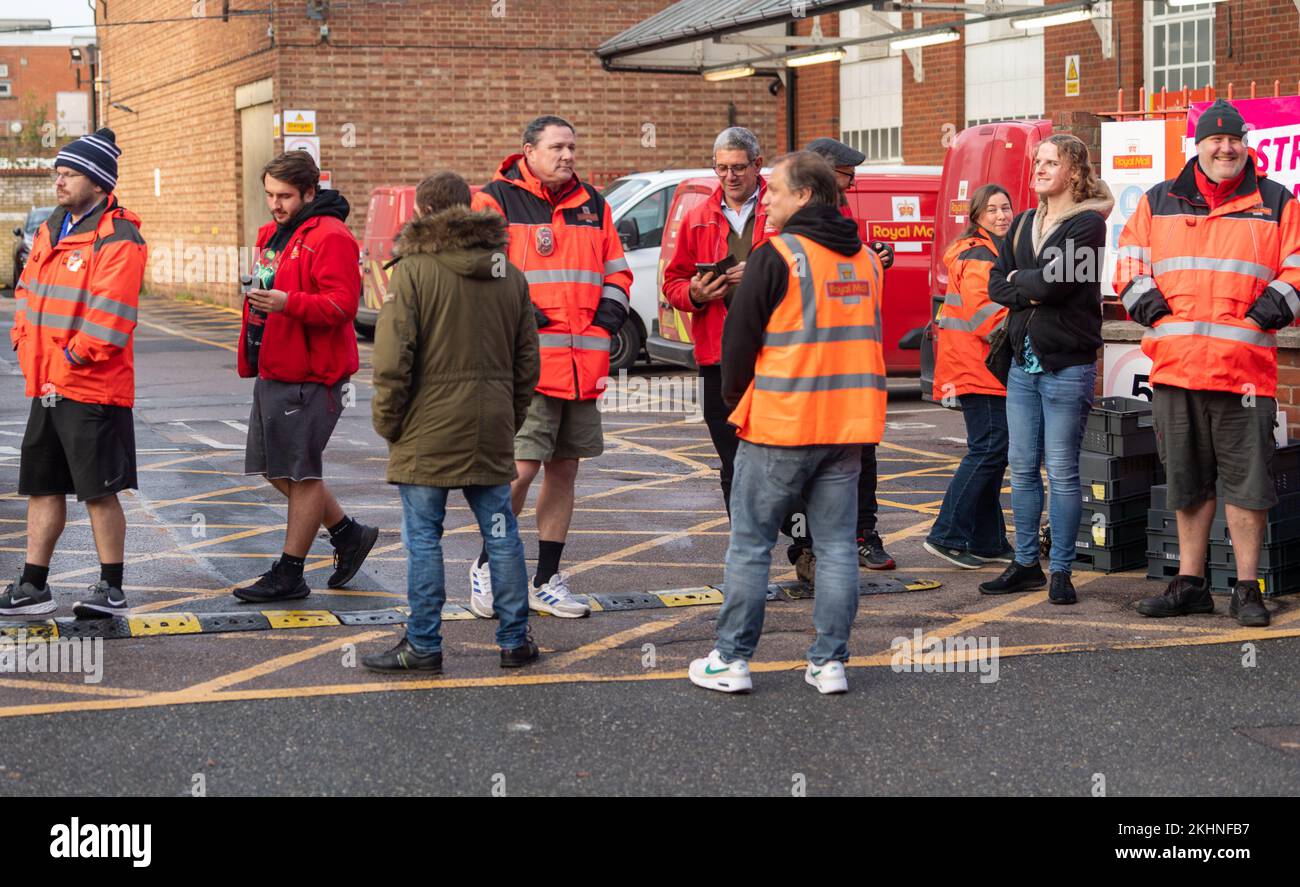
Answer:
(555, 598)
(713, 673)
(480, 590)
(828, 678)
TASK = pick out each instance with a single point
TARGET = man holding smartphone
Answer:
(304, 298)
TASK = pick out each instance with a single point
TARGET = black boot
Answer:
(1185, 594)
(1016, 578)
(1062, 589)
(350, 553)
(1247, 605)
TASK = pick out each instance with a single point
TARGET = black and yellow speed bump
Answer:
(179, 623)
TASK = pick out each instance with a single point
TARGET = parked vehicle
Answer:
(1002, 153)
(24, 235)
(895, 204)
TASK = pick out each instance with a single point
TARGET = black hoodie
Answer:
(763, 286)
(327, 203)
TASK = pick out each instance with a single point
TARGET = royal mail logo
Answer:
(75, 261)
(1133, 161)
(906, 210)
(959, 208)
(901, 232)
(848, 290)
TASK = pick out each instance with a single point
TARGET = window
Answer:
(6, 90)
(1180, 46)
(4, 71)
(650, 215)
(883, 144)
(1004, 72)
(871, 90)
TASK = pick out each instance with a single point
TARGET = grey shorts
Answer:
(560, 429)
(1205, 437)
(289, 426)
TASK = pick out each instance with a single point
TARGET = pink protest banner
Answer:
(1274, 125)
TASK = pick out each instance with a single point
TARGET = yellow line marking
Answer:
(178, 460)
(199, 497)
(564, 660)
(171, 331)
(270, 666)
(57, 687)
(946, 457)
(615, 557)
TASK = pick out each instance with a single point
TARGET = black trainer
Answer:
(1016, 578)
(1185, 595)
(872, 554)
(403, 658)
(25, 599)
(1247, 605)
(522, 655)
(272, 586)
(1061, 590)
(350, 554)
(104, 602)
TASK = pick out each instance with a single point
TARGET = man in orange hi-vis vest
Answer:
(74, 326)
(804, 369)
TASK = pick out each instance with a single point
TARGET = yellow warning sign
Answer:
(300, 123)
(1071, 75)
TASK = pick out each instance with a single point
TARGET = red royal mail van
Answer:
(895, 204)
(1002, 153)
(390, 208)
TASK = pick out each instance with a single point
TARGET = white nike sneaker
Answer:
(713, 673)
(555, 598)
(828, 678)
(480, 590)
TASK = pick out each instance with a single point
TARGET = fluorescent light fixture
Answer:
(815, 58)
(1060, 18)
(729, 73)
(933, 39)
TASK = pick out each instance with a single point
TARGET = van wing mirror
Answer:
(629, 232)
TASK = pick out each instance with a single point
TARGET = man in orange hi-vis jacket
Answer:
(73, 327)
(562, 237)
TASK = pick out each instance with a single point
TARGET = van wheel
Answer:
(625, 348)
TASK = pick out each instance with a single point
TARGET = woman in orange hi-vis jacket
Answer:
(970, 530)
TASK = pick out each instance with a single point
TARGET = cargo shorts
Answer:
(560, 429)
(1208, 437)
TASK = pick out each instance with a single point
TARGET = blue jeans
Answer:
(971, 515)
(1046, 413)
(423, 511)
(767, 485)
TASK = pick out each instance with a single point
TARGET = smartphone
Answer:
(718, 268)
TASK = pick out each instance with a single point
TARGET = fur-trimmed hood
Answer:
(1103, 201)
(467, 242)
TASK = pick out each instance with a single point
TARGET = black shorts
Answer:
(73, 447)
(289, 426)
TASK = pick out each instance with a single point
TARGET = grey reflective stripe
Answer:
(952, 300)
(805, 384)
(820, 335)
(614, 294)
(20, 304)
(1288, 294)
(614, 265)
(85, 297)
(114, 307)
(63, 322)
(564, 275)
(554, 340)
(970, 326)
(1291, 261)
(803, 270)
(1215, 331)
(1206, 263)
(1138, 287)
(590, 343)
(1134, 252)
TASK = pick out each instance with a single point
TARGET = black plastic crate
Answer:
(1159, 568)
(1120, 415)
(1138, 444)
(1162, 546)
(1163, 522)
(1285, 580)
(1117, 512)
(1288, 506)
(1103, 535)
(1286, 469)
(1275, 532)
(1271, 557)
(1109, 479)
(1113, 560)
(1160, 497)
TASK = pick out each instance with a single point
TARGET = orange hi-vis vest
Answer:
(966, 321)
(572, 258)
(820, 376)
(75, 315)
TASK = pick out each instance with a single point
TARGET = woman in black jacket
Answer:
(1049, 275)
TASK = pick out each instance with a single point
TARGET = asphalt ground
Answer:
(1197, 705)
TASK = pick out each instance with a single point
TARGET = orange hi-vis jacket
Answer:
(577, 276)
(820, 375)
(1194, 275)
(967, 318)
(76, 307)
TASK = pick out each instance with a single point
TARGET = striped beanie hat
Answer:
(95, 156)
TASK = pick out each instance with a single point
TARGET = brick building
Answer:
(399, 89)
(45, 77)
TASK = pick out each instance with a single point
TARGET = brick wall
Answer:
(36, 75)
(1257, 40)
(817, 90)
(938, 101)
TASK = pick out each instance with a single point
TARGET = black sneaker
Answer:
(955, 556)
(350, 554)
(403, 658)
(271, 586)
(872, 554)
(1061, 590)
(1247, 605)
(25, 599)
(104, 602)
(805, 566)
(522, 655)
(1185, 594)
(1016, 578)
(1007, 555)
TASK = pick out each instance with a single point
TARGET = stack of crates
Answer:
(1117, 469)
(1279, 558)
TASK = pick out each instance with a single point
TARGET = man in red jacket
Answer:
(298, 340)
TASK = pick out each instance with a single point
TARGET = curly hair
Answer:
(1083, 178)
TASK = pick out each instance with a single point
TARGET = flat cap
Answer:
(838, 153)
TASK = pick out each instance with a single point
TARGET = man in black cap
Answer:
(871, 549)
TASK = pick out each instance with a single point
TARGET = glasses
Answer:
(67, 176)
(736, 169)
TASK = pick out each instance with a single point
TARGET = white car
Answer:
(640, 203)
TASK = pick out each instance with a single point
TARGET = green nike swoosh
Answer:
(817, 672)
(708, 670)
